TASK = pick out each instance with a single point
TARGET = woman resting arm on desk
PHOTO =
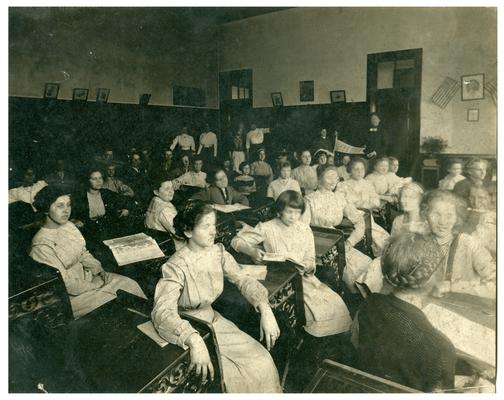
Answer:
(60, 244)
(326, 313)
(192, 280)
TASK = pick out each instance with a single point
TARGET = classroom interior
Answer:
(89, 88)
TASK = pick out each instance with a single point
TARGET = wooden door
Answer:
(394, 92)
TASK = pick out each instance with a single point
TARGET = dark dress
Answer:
(375, 139)
(106, 226)
(397, 342)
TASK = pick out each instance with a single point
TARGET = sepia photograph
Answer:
(212, 224)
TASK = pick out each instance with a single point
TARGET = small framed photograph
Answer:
(473, 114)
(306, 91)
(276, 98)
(51, 90)
(80, 94)
(102, 95)
(338, 96)
(473, 87)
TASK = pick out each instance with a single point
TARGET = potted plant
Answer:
(432, 146)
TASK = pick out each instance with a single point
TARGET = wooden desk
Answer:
(365, 245)
(145, 273)
(477, 309)
(109, 354)
(330, 256)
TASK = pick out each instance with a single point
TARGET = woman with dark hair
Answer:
(219, 192)
(326, 313)
(245, 183)
(468, 267)
(97, 209)
(393, 337)
(283, 182)
(192, 280)
(60, 244)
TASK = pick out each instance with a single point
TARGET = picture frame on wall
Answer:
(473, 87)
(473, 114)
(306, 90)
(338, 96)
(276, 98)
(80, 94)
(51, 90)
(102, 95)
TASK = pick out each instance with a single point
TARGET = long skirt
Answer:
(207, 155)
(326, 313)
(247, 367)
(86, 302)
(237, 158)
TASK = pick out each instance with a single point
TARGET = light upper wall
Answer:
(129, 51)
(330, 46)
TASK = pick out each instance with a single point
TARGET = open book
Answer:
(133, 248)
(467, 336)
(151, 332)
(229, 208)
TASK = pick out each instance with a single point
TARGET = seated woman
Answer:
(283, 183)
(245, 183)
(483, 219)
(97, 210)
(343, 169)
(321, 157)
(326, 208)
(59, 244)
(362, 194)
(393, 337)
(219, 192)
(467, 267)
(261, 171)
(192, 280)
(411, 220)
(378, 178)
(27, 189)
(161, 211)
(326, 313)
(111, 182)
(395, 183)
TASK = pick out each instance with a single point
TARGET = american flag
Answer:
(445, 92)
(491, 89)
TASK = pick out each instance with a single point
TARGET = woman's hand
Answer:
(106, 277)
(123, 213)
(98, 281)
(200, 359)
(257, 256)
(441, 289)
(79, 224)
(269, 327)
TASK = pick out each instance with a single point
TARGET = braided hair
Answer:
(410, 259)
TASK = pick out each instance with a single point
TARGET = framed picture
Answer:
(51, 90)
(80, 94)
(276, 98)
(306, 91)
(102, 95)
(473, 114)
(338, 96)
(473, 87)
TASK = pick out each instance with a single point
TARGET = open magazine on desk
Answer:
(134, 248)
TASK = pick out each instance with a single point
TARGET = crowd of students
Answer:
(439, 242)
